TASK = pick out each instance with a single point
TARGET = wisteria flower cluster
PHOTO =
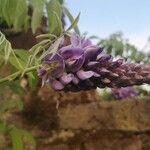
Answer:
(124, 92)
(82, 65)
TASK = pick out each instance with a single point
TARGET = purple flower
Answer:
(60, 65)
(80, 65)
(74, 58)
(123, 93)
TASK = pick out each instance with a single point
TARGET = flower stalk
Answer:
(17, 74)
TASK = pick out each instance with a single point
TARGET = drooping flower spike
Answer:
(82, 65)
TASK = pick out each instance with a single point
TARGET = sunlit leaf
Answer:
(72, 20)
(38, 6)
(21, 11)
(54, 17)
(14, 12)
(5, 47)
(53, 48)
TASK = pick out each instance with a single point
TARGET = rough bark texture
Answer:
(102, 126)
(86, 122)
(131, 115)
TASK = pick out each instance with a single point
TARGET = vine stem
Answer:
(18, 73)
(21, 67)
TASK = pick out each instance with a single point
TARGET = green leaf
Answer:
(72, 20)
(14, 12)
(15, 87)
(28, 136)
(14, 63)
(11, 104)
(5, 47)
(6, 51)
(74, 23)
(54, 17)
(2, 127)
(61, 1)
(11, 10)
(24, 57)
(22, 54)
(1, 8)
(5, 13)
(20, 14)
(49, 36)
(16, 138)
(35, 48)
(38, 6)
(32, 79)
(53, 49)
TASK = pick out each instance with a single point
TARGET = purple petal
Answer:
(84, 74)
(47, 59)
(103, 57)
(85, 43)
(92, 64)
(75, 40)
(75, 80)
(56, 85)
(71, 53)
(65, 48)
(70, 62)
(75, 65)
(103, 71)
(96, 74)
(116, 63)
(41, 72)
(122, 93)
(79, 42)
(60, 66)
(91, 52)
(66, 78)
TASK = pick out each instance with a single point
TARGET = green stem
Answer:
(16, 74)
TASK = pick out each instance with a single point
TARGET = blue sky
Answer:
(103, 17)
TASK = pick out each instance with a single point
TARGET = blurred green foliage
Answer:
(11, 93)
(118, 46)
(20, 15)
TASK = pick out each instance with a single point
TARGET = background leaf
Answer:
(33, 79)
(54, 17)
(16, 138)
(2, 127)
(38, 6)
(11, 104)
(14, 12)
(20, 14)
(5, 47)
